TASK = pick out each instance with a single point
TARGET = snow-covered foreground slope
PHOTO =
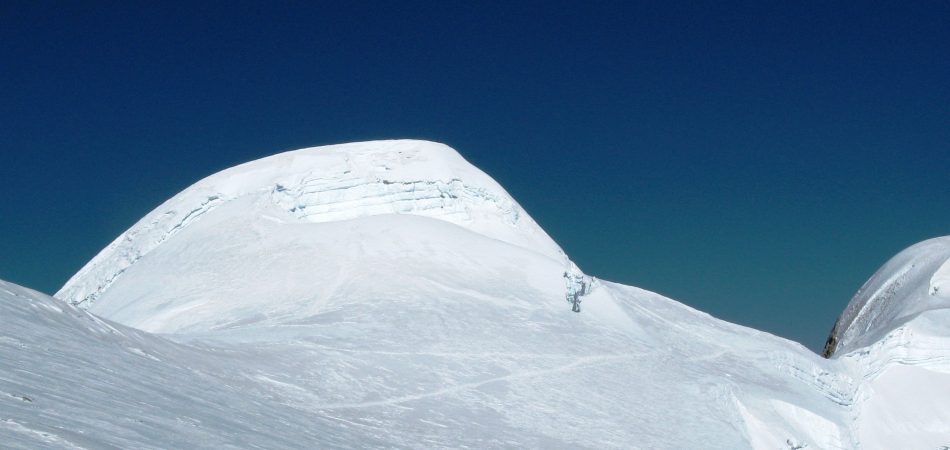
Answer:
(453, 368)
(71, 380)
(402, 316)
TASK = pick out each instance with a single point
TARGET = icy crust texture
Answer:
(914, 281)
(326, 184)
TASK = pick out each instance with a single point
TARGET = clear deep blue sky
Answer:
(756, 160)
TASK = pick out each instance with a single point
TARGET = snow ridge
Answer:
(128, 250)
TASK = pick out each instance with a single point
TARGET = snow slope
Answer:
(452, 367)
(389, 294)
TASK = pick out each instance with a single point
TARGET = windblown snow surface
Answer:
(389, 294)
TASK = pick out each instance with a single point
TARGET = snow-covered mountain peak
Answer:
(322, 185)
(911, 283)
(388, 294)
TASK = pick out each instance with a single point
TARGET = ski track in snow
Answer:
(464, 355)
(580, 363)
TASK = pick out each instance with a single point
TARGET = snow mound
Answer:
(328, 184)
(914, 281)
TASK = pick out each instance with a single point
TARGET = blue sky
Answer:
(755, 160)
